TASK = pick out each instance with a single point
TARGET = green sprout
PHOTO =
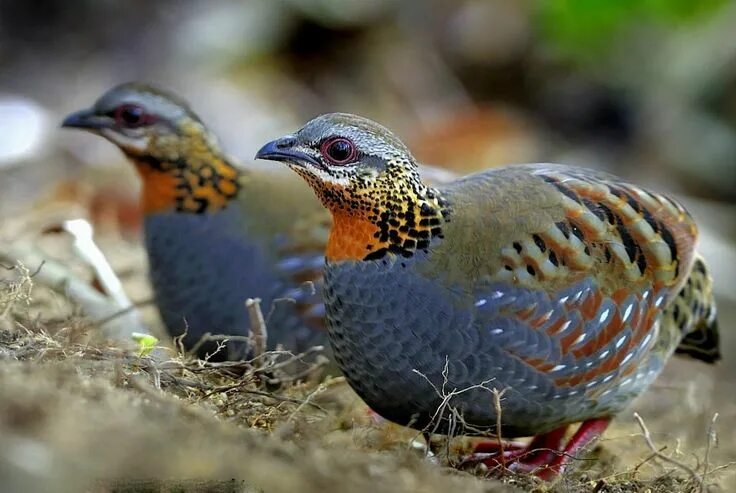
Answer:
(146, 343)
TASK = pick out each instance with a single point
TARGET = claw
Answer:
(544, 456)
(586, 435)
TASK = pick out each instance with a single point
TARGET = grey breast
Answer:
(202, 268)
(423, 353)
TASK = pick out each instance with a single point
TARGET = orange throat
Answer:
(352, 237)
(394, 216)
(363, 235)
(158, 189)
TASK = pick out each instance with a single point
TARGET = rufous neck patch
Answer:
(368, 226)
(158, 191)
(351, 237)
(197, 184)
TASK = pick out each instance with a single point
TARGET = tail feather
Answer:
(694, 312)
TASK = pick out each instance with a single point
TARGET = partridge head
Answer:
(563, 287)
(178, 158)
(369, 181)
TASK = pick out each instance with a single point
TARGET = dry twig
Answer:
(307, 401)
(455, 417)
(656, 452)
(257, 327)
(220, 339)
(711, 439)
(497, 406)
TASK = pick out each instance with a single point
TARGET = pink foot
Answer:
(587, 434)
(540, 450)
(544, 456)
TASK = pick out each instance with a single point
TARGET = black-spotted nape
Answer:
(393, 214)
(186, 172)
(410, 228)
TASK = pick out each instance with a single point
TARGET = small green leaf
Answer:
(146, 342)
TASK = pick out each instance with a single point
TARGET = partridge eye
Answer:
(130, 115)
(339, 150)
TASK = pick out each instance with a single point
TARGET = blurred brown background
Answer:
(644, 89)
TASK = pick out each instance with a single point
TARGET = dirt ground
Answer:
(80, 413)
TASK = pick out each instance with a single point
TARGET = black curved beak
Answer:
(85, 119)
(283, 150)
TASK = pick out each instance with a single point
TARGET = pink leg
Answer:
(588, 433)
(543, 449)
(543, 456)
(540, 450)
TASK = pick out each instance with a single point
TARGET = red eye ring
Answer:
(338, 150)
(131, 116)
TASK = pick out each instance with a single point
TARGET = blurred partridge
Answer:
(216, 234)
(566, 288)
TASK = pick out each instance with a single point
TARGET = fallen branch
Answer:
(281, 398)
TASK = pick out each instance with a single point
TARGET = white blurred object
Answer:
(85, 246)
(127, 320)
(23, 127)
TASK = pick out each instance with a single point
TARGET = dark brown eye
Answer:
(131, 115)
(338, 150)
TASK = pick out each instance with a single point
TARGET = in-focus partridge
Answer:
(566, 288)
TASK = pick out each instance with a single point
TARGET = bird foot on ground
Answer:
(545, 457)
(516, 457)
